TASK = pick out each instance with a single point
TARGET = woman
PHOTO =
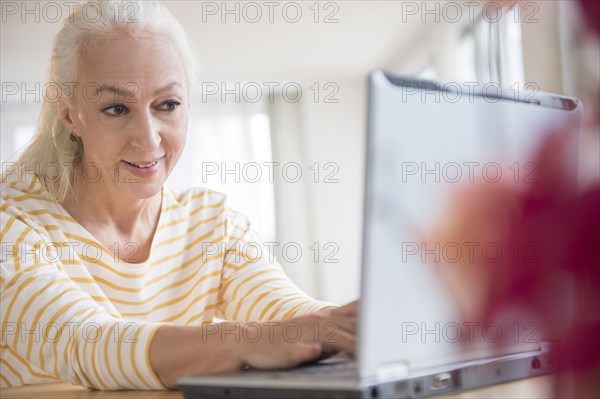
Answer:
(111, 278)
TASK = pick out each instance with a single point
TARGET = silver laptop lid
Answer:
(424, 139)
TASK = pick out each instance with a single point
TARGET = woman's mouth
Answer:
(143, 165)
(143, 169)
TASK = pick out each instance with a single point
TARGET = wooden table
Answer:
(538, 388)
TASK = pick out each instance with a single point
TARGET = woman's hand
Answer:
(287, 343)
(337, 327)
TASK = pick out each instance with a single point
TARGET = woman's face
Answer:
(130, 107)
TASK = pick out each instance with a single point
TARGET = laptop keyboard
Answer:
(334, 368)
(326, 368)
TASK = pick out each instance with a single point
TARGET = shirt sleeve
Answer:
(254, 286)
(50, 322)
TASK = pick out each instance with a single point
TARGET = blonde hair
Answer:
(90, 23)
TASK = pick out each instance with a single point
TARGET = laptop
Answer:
(424, 138)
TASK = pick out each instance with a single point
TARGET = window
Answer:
(499, 50)
(485, 51)
(228, 149)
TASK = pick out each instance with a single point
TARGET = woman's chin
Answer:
(141, 190)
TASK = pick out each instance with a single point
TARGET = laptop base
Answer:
(443, 380)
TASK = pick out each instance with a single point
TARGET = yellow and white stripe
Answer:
(73, 311)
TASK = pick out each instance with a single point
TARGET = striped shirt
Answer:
(72, 310)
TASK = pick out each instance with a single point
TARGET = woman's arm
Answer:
(177, 351)
(52, 328)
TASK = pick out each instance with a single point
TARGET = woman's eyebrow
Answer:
(116, 89)
(123, 91)
(167, 87)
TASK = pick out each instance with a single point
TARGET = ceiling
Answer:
(367, 34)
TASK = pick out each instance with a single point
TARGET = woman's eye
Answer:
(169, 106)
(116, 110)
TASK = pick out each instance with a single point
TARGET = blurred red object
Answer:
(559, 279)
(591, 13)
(549, 235)
(565, 226)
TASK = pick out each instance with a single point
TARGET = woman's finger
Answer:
(346, 323)
(341, 341)
(350, 309)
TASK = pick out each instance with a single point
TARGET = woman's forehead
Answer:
(125, 63)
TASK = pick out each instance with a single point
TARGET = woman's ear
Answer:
(65, 112)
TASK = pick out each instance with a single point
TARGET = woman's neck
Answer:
(97, 207)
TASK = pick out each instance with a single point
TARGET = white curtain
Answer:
(17, 125)
(295, 224)
(228, 149)
(243, 149)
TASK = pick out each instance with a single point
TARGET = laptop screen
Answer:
(425, 140)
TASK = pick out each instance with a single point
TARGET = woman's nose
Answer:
(145, 132)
